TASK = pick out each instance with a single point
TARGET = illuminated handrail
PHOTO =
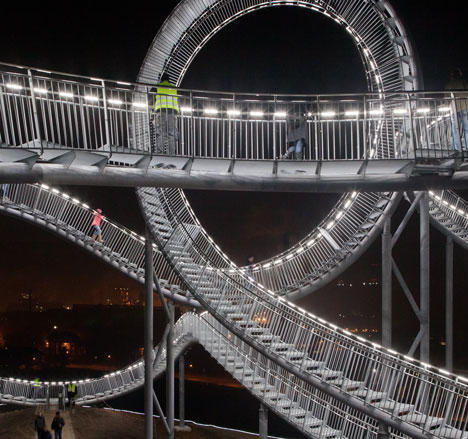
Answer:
(241, 304)
(72, 218)
(76, 113)
(301, 404)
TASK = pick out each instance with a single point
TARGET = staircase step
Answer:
(420, 419)
(370, 396)
(390, 406)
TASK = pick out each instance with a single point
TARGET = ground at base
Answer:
(93, 423)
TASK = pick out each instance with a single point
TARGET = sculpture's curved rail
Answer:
(389, 64)
(284, 334)
(71, 219)
(337, 376)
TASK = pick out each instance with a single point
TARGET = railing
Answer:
(270, 382)
(64, 111)
(452, 205)
(121, 245)
(402, 379)
(26, 392)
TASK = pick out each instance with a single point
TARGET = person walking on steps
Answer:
(57, 425)
(96, 224)
(39, 425)
(165, 111)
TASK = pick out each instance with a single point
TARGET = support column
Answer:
(182, 426)
(383, 432)
(170, 373)
(449, 304)
(263, 422)
(424, 276)
(148, 339)
(387, 285)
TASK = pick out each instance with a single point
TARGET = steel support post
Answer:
(181, 391)
(383, 431)
(387, 285)
(148, 339)
(170, 373)
(424, 276)
(263, 422)
(182, 426)
(449, 304)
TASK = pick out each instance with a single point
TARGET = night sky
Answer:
(284, 50)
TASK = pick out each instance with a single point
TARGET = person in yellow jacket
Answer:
(165, 111)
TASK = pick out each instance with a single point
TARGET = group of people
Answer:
(41, 429)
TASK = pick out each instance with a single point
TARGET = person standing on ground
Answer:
(165, 111)
(96, 224)
(39, 425)
(71, 391)
(57, 425)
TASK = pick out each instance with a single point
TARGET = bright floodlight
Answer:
(233, 112)
(14, 86)
(444, 109)
(256, 113)
(41, 91)
(423, 110)
(211, 111)
(140, 105)
(328, 114)
(352, 113)
(91, 98)
(115, 101)
(376, 112)
(66, 94)
(186, 110)
(399, 111)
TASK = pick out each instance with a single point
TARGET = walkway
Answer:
(89, 423)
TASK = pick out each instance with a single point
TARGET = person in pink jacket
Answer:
(96, 224)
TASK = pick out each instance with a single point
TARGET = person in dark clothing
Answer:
(57, 425)
(296, 137)
(39, 425)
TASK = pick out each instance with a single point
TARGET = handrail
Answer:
(91, 115)
(121, 247)
(250, 306)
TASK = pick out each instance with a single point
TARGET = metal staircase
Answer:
(321, 379)
(366, 377)
(71, 219)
